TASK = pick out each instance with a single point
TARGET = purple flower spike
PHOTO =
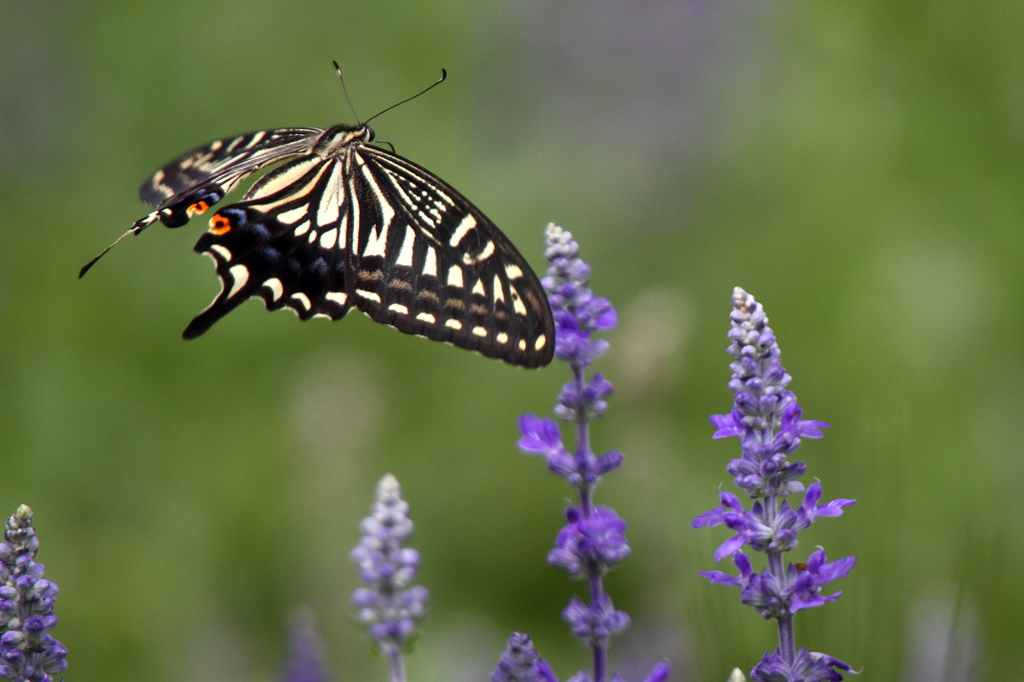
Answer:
(767, 420)
(520, 663)
(765, 415)
(27, 651)
(576, 310)
(389, 604)
(593, 541)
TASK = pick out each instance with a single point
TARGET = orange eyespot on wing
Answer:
(219, 225)
(198, 207)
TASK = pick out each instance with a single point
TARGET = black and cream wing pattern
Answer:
(341, 223)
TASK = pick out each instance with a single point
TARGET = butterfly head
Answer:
(335, 140)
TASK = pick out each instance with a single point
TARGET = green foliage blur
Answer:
(857, 166)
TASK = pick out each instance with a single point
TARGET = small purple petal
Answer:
(606, 320)
(709, 518)
(742, 562)
(608, 462)
(729, 547)
(730, 501)
(833, 508)
(659, 673)
(720, 578)
(545, 671)
(540, 436)
(599, 387)
(812, 495)
(726, 426)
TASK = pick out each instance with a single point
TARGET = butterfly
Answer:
(344, 223)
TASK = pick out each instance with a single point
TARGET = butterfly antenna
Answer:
(444, 74)
(345, 90)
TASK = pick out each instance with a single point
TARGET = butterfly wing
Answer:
(202, 177)
(426, 261)
(283, 243)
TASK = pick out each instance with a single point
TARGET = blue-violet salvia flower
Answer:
(593, 541)
(27, 650)
(767, 420)
(389, 603)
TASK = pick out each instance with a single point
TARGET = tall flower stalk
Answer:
(767, 420)
(389, 603)
(28, 653)
(593, 541)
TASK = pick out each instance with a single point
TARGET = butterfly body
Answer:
(342, 223)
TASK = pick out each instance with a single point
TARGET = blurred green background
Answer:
(857, 166)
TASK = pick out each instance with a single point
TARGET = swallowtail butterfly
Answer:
(346, 223)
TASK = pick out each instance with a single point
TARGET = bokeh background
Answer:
(858, 166)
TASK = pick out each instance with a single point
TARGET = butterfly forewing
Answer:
(225, 161)
(348, 224)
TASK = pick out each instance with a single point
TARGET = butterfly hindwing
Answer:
(271, 246)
